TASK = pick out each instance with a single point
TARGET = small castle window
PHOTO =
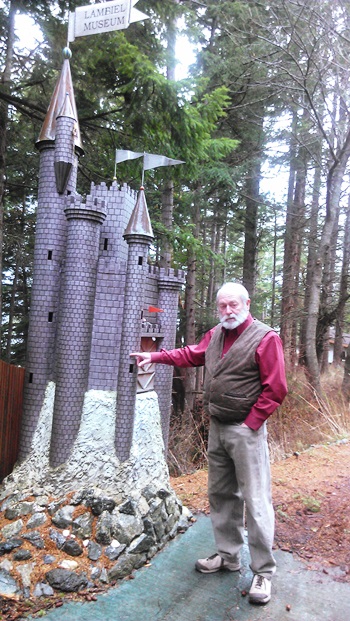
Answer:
(30, 380)
(49, 255)
(105, 245)
(140, 260)
(131, 368)
(50, 317)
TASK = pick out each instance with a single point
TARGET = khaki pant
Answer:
(239, 475)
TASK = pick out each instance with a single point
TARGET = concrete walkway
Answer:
(172, 590)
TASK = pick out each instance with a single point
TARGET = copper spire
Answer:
(140, 223)
(58, 103)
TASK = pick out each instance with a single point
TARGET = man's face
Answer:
(232, 310)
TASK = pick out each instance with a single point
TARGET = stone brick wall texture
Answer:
(49, 252)
(75, 324)
(170, 283)
(136, 275)
(109, 298)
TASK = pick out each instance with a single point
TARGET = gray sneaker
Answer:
(215, 563)
(260, 591)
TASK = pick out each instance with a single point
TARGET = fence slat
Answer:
(11, 404)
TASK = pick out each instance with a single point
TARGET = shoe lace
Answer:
(259, 581)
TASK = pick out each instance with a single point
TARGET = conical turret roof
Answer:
(140, 223)
(58, 104)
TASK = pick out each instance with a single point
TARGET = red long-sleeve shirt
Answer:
(269, 357)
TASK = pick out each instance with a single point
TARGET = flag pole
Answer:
(115, 167)
(143, 169)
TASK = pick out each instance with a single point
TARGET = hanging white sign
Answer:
(102, 17)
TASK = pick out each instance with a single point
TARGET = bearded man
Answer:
(244, 384)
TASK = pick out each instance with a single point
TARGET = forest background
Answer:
(262, 121)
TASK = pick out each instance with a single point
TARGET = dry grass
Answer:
(303, 420)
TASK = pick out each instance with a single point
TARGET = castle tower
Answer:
(75, 322)
(109, 299)
(50, 240)
(169, 285)
(138, 236)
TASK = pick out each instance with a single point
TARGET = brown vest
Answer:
(232, 383)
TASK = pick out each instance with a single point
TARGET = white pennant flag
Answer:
(152, 160)
(121, 155)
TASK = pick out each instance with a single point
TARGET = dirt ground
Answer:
(311, 496)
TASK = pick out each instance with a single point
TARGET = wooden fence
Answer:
(11, 401)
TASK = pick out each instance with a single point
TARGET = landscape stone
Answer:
(148, 527)
(83, 495)
(35, 539)
(57, 538)
(13, 529)
(22, 555)
(149, 493)
(103, 528)
(8, 585)
(72, 548)
(65, 580)
(98, 505)
(11, 499)
(94, 551)
(95, 573)
(82, 525)
(9, 545)
(114, 552)
(68, 564)
(43, 590)
(25, 572)
(126, 527)
(122, 568)
(54, 506)
(13, 511)
(128, 507)
(141, 544)
(63, 517)
(36, 520)
(42, 500)
(163, 493)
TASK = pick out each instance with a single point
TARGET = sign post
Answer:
(102, 17)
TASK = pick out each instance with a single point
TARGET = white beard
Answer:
(239, 318)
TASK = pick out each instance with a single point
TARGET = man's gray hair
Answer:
(233, 288)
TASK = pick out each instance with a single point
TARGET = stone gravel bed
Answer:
(82, 540)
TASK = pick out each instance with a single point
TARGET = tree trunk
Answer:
(167, 221)
(292, 250)
(273, 284)
(343, 293)
(287, 285)
(168, 192)
(327, 287)
(212, 271)
(251, 225)
(12, 307)
(5, 86)
(190, 294)
(312, 249)
(346, 378)
(334, 183)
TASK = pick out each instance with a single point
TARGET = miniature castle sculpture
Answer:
(92, 288)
